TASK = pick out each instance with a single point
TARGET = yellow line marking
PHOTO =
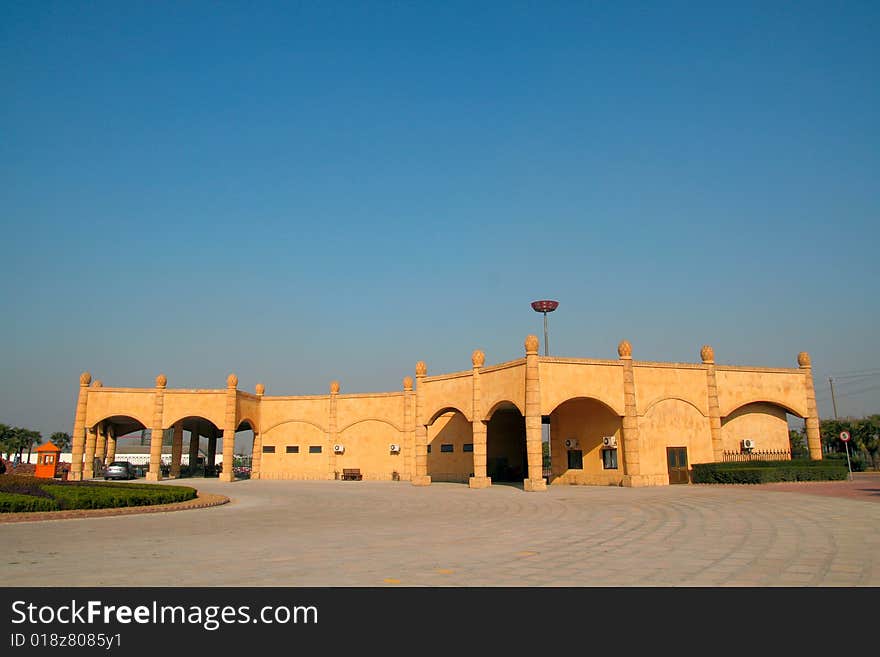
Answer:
(526, 553)
(445, 571)
(391, 580)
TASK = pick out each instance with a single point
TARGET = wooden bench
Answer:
(351, 474)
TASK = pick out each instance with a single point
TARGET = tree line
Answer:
(15, 440)
(864, 438)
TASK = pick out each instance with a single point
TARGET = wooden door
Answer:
(677, 464)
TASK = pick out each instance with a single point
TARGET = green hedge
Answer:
(16, 503)
(102, 497)
(18, 494)
(762, 472)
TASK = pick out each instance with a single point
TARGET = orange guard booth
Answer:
(48, 456)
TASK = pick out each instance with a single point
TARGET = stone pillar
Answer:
(632, 474)
(101, 447)
(814, 440)
(193, 450)
(707, 354)
(479, 480)
(229, 426)
(111, 444)
(156, 431)
(176, 450)
(409, 430)
(421, 477)
(535, 482)
(79, 429)
(257, 454)
(332, 433)
(91, 441)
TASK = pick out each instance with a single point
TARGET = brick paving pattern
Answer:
(331, 533)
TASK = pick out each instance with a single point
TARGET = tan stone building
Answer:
(622, 421)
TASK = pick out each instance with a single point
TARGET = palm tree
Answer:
(33, 438)
(61, 440)
(5, 440)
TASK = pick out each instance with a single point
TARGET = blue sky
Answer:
(299, 192)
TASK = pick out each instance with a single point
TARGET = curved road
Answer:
(333, 533)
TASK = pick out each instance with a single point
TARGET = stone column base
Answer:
(480, 482)
(153, 476)
(227, 476)
(87, 474)
(255, 475)
(534, 485)
(421, 480)
(74, 476)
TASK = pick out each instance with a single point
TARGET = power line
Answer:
(846, 375)
(855, 379)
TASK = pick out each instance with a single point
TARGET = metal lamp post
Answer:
(545, 306)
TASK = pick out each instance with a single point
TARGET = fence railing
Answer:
(757, 455)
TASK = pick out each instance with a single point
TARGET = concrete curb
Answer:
(202, 501)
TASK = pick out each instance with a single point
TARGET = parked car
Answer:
(119, 470)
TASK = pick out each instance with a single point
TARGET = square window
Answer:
(315, 449)
(575, 459)
(293, 449)
(609, 459)
(268, 449)
(467, 447)
(448, 447)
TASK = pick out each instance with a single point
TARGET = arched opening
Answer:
(761, 430)
(198, 457)
(586, 443)
(244, 449)
(450, 447)
(118, 438)
(506, 458)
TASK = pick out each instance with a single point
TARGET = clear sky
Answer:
(301, 191)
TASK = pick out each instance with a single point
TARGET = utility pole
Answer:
(833, 398)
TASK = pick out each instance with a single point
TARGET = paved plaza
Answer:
(333, 533)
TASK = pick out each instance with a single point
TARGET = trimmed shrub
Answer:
(16, 503)
(858, 464)
(762, 472)
(23, 485)
(106, 496)
(30, 494)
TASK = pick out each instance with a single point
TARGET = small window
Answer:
(293, 449)
(429, 449)
(609, 459)
(268, 449)
(448, 447)
(575, 459)
(314, 449)
(467, 447)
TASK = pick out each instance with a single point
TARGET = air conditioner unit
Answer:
(748, 443)
(609, 441)
(338, 449)
(395, 449)
(572, 443)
